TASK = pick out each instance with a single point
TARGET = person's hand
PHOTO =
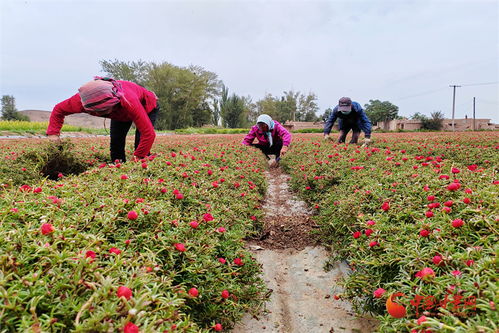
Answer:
(327, 137)
(367, 142)
(53, 138)
(284, 149)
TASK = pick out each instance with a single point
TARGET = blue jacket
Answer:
(357, 117)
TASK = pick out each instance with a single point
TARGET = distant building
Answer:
(465, 124)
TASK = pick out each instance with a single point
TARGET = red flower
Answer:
(455, 170)
(115, 250)
(124, 292)
(453, 186)
(124, 177)
(193, 292)
(194, 224)
(430, 198)
(429, 214)
(385, 206)
(357, 234)
(421, 320)
(467, 200)
(424, 233)
(47, 228)
(208, 217)
(437, 260)
(448, 203)
(132, 215)
(379, 292)
(144, 165)
(225, 294)
(456, 273)
(91, 255)
(222, 260)
(368, 232)
(425, 273)
(217, 327)
(373, 243)
(180, 247)
(238, 262)
(370, 222)
(457, 223)
(130, 328)
(470, 263)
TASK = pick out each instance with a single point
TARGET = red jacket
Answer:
(140, 102)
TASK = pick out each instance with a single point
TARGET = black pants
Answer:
(119, 131)
(267, 150)
(344, 131)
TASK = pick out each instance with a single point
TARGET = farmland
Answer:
(157, 244)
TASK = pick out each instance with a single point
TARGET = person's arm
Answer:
(250, 137)
(143, 123)
(330, 121)
(61, 110)
(364, 122)
(284, 134)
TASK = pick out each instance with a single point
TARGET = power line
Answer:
(479, 84)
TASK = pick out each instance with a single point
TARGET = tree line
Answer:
(192, 96)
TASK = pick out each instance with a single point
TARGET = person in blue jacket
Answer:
(351, 117)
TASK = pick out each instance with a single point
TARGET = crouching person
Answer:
(273, 138)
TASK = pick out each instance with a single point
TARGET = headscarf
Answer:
(101, 94)
(266, 119)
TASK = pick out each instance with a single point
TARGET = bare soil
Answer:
(302, 298)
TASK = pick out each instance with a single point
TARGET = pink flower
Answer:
(47, 228)
(368, 232)
(370, 222)
(437, 260)
(208, 217)
(424, 233)
(180, 247)
(379, 292)
(130, 328)
(115, 250)
(470, 262)
(194, 224)
(132, 215)
(385, 206)
(457, 223)
(456, 273)
(356, 234)
(421, 320)
(425, 273)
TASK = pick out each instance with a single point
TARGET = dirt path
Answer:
(302, 292)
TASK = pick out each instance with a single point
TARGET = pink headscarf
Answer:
(101, 94)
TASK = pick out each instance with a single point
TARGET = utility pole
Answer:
(474, 114)
(453, 104)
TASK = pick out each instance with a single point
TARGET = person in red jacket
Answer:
(273, 138)
(124, 102)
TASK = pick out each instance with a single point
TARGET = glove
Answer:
(367, 142)
(327, 137)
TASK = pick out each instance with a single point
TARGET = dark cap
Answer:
(345, 104)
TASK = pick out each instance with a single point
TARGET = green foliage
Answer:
(9, 111)
(185, 94)
(435, 123)
(233, 109)
(350, 184)
(381, 111)
(291, 106)
(50, 283)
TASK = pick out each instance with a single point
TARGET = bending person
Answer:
(123, 102)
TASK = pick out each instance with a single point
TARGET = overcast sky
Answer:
(406, 52)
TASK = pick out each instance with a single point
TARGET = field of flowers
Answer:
(150, 245)
(416, 218)
(156, 244)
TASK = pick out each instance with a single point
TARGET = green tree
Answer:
(233, 109)
(435, 122)
(185, 94)
(419, 116)
(9, 110)
(381, 111)
(307, 107)
(135, 71)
